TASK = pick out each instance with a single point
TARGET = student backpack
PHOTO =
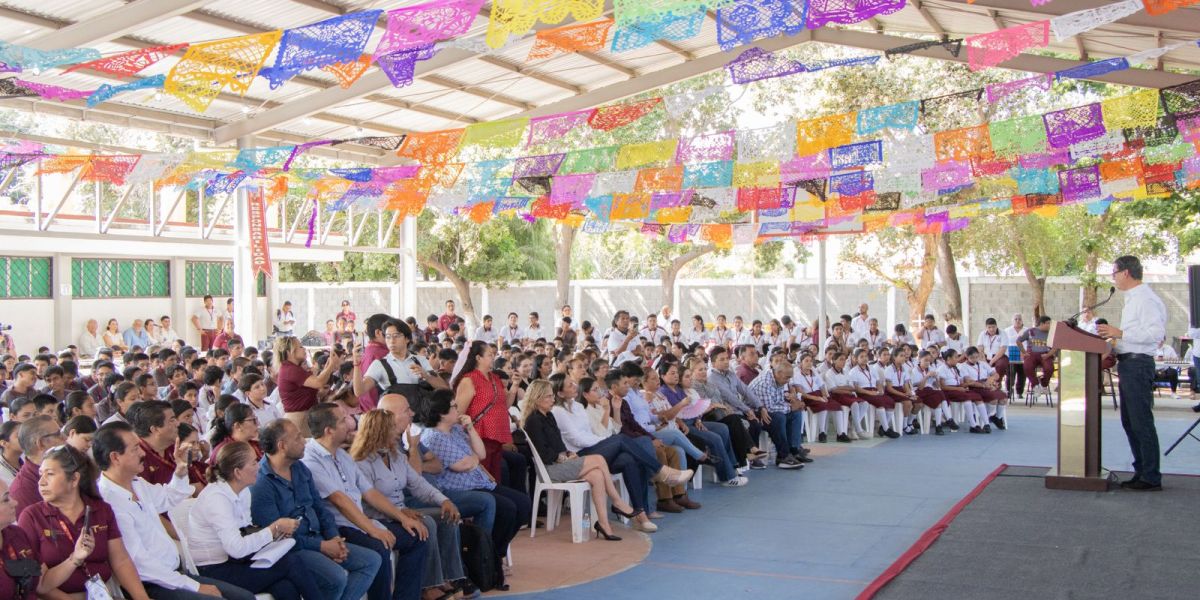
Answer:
(418, 394)
(479, 558)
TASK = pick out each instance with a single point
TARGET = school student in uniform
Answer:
(983, 380)
(811, 387)
(955, 387)
(866, 387)
(841, 390)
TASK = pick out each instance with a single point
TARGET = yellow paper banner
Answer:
(496, 134)
(636, 156)
(756, 175)
(210, 67)
(1139, 109)
(815, 135)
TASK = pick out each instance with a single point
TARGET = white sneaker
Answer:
(738, 481)
(743, 470)
(852, 435)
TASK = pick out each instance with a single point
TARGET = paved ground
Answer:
(826, 531)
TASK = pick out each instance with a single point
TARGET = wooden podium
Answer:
(1079, 357)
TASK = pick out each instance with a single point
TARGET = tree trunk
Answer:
(1038, 284)
(949, 274)
(671, 271)
(1092, 262)
(461, 285)
(564, 241)
(918, 297)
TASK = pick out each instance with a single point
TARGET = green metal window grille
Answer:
(114, 278)
(24, 277)
(214, 279)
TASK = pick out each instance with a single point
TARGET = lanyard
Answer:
(867, 372)
(811, 382)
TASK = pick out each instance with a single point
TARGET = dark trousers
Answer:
(1136, 372)
(738, 437)
(1019, 371)
(513, 510)
(515, 468)
(634, 459)
(285, 580)
(228, 591)
(408, 565)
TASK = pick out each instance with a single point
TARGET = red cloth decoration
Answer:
(129, 63)
(607, 118)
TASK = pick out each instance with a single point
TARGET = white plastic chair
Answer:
(179, 517)
(898, 418)
(924, 415)
(580, 495)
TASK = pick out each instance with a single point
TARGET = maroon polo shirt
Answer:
(54, 538)
(156, 468)
(293, 394)
(372, 352)
(24, 489)
(17, 546)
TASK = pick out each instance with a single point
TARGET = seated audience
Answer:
(78, 433)
(220, 534)
(238, 424)
(37, 435)
(344, 489)
(72, 555)
(10, 452)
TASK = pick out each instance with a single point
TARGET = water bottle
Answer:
(587, 524)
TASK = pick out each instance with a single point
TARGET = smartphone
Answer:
(87, 518)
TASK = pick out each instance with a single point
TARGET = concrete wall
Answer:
(41, 322)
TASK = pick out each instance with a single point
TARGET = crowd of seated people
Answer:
(356, 467)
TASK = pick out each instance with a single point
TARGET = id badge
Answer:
(96, 589)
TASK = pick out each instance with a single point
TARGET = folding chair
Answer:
(580, 495)
(179, 517)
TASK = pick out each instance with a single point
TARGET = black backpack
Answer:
(418, 394)
(479, 558)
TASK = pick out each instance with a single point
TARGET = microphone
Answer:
(1074, 321)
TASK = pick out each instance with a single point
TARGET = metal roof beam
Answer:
(929, 18)
(659, 78)
(1185, 21)
(114, 23)
(478, 92)
(1025, 62)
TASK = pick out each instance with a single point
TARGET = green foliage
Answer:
(1178, 214)
(495, 253)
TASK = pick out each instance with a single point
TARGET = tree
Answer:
(493, 253)
(948, 272)
(673, 259)
(564, 242)
(909, 264)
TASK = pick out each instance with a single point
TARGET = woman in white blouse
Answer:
(812, 390)
(868, 387)
(841, 390)
(223, 543)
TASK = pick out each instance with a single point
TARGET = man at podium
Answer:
(1143, 326)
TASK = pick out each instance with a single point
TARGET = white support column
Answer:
(244, 290)
(181, 317)
(60, 279)
(821, 292)
(781, 291)
(408, 267)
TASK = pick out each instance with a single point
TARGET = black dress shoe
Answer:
(987, 428)
(843, 438)
(1196, 408)
(822, 437)
(891, 433)
(1142, 486)
(1001, 425)
(1129, 482)
(937, 430)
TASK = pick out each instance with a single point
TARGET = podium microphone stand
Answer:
(1078, 466)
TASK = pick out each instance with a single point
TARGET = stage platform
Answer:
(1013, 538)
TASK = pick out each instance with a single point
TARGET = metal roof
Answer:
(459, 87)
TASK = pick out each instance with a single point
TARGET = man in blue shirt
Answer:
(285, 488)
(344, 488)
(136, 336)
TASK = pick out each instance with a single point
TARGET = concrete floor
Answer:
(828, 530)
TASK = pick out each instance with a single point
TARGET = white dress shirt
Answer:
(269, 412)
(833, 379)
(153, 551)
(575, 427)
(1143, 321)
(949, 376)
(859, 326)
(487, 335)
(863, 378)
(1011, 334)
(931, 337)
(168, 336)
(957, 345)
(88, 343)
(1088, 326)
(695, 337)
(511, 335)
(991, 345)
(534, 333)
(214, 528)
(657, 335)
(978, 372)
(808, 384)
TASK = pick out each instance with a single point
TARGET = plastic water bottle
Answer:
(587, 524)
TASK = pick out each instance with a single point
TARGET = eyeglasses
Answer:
(1114, 273)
